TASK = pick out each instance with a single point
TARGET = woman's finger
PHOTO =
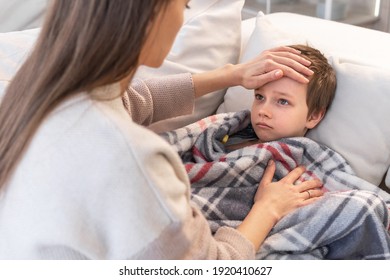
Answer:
(309, 185)
(293, 74)
(285, 49)
(289, 55)
(259, 81)
(312, 193)
(268, 174)
(294, 175)
(289, 61)
(289, 66)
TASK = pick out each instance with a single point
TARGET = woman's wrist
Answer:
(221, 78)
(258, 223)
(232, 75)
(266, 209)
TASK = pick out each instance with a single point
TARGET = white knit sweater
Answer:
(93, 184)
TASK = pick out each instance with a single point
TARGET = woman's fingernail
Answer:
(278, 73)
(270, 162)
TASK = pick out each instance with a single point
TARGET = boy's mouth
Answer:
(263, 125)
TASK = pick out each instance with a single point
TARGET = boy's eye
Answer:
(283, 102)
(258, 96)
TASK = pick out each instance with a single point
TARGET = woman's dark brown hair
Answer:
(83, 44)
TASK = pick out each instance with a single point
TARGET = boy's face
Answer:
(279, 110)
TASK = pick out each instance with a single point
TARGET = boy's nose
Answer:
(265, 111)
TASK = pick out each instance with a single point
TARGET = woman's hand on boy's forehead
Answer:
(293, 64)
(273, 64)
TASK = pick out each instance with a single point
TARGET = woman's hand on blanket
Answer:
(284, 196)
(273, 200)
(273, 64)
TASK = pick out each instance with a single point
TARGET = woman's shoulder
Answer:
(85, 133)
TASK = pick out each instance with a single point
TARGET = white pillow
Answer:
(356, 125)
(21, 14)
(209, 38)
(14, 48)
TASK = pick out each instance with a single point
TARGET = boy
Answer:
(225, 171)
(286, 108)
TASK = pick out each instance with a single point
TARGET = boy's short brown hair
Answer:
(322, 84)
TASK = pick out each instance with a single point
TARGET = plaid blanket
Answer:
(351, 221)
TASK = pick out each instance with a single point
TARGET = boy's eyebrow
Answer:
(287, 94)
(283, 93)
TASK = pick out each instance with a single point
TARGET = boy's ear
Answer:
(315, 118)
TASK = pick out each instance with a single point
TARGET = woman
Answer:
(80, 179)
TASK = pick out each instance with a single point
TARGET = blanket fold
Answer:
(351, 221)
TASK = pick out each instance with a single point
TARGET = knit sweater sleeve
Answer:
(152, 100)
(193, 240)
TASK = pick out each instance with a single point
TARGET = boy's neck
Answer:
(237, 146)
